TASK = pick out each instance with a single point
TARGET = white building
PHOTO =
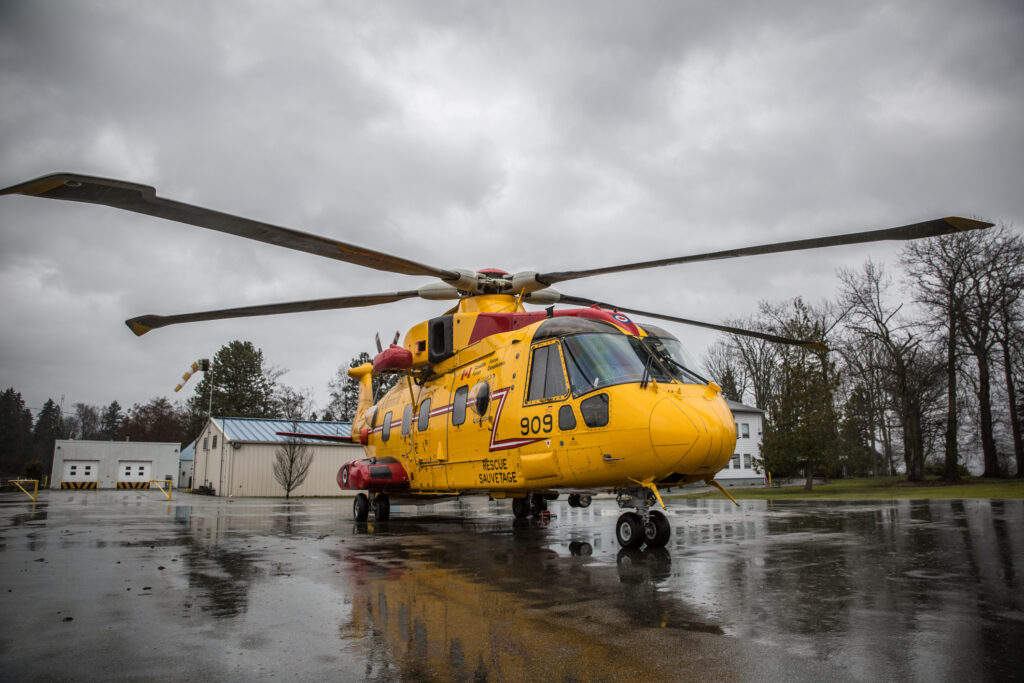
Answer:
(235, 456)
(112, 464)
(744, 469)
(188, 456)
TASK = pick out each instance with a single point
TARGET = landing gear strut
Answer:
(381, 507)
(531, 504)
(633, 529)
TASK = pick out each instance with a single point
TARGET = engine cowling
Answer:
(386, 474)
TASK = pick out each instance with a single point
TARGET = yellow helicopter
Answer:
(499, 400)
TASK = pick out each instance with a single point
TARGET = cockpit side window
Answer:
(547, 376)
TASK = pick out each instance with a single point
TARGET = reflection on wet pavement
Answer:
(212, 588)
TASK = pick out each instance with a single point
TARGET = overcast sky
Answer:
(519, 135)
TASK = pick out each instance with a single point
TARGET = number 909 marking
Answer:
(536, 425)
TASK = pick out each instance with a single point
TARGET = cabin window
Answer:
(424, 416)
(385, 428)
(566, 418)
(595, 410)
(547, 378)
(480, 398)
(459, 406)
(407, 420)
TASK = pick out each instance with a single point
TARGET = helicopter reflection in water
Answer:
(435, 606)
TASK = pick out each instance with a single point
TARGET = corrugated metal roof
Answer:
(257, 430)
(188, 452)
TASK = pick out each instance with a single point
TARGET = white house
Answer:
(744, 468)
(235, 456)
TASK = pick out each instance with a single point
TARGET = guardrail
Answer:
(35, 487)
(159, 484)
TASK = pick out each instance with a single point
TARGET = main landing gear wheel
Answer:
(381, 507)
(629, 530)
(521, 507)
(361, 507)
(657, 529)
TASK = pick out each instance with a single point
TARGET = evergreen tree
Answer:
(49, 427)
(243, 386)
(802, 429)
(110, 421)
(15, 432)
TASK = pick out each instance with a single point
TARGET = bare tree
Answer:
(758, 358)
(936, 270)
(292, 462)
(907, 366)
(293, 404)
(987, 275)
(723, 364)
(1010, 331)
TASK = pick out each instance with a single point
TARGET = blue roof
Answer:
(260, 430)
(189, 452)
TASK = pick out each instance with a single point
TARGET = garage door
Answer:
(80, 474)
(134, 474)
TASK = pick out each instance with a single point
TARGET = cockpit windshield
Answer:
(600, 360)
(675, 357)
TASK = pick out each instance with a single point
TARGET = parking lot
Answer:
(125, 584)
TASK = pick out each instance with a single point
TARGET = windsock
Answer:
(201, 365)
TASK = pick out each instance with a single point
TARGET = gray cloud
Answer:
(515, 135)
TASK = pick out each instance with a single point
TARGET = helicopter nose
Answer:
(673, 432)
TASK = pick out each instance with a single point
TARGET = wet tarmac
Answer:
(124, 585)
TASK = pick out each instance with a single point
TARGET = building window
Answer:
(746, 461)
(214, 444)
(206, 443)
(746, 430)
(735, 462)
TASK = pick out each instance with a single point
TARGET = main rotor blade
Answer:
(144, 323)
(932, 228)
(120, 194)
(580, 301)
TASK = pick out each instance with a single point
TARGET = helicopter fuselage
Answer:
(553, 403)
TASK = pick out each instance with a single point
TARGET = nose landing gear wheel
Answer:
(381, 507)
(629, 530)
(657, 530)
(361, 507)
